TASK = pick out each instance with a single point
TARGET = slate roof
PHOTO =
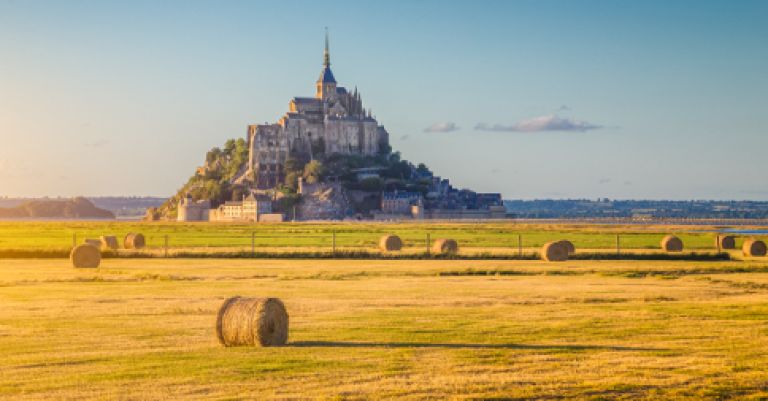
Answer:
(326, 76)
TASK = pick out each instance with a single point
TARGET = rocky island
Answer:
(327, 158)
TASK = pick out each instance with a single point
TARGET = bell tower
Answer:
(326, 84)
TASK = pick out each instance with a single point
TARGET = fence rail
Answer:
(345, 243)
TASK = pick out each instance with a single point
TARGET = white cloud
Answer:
(544, 123)
(442, 127)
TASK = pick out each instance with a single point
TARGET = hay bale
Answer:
(109, 242)
(252, 321)
(85, 255)
(568, 246)
(725, 242)
(554, 251)
(670, 243)
(390, 243)
(93, 242)
(445, 246)
(753, 247)
(134, 241)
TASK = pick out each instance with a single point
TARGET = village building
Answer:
(250, 210)
(399, 202)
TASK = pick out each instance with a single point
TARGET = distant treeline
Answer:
(655, 209)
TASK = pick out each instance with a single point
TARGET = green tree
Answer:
(293, 165)
(313, 171)
(422, 169)
(371, 184)
(212, 155)
(292, 180)
(384, 148)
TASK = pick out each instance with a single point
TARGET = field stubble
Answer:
(367, 329)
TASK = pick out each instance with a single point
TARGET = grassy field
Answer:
(475, 237)
(384, 329)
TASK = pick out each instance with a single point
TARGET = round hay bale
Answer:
(85, 255)
(109, 242)
(670, 243)
(753, 247)
(725, 242)
(134, 241)
(445, 246)
(252, 321)
(568, 246)
(390, 243)
(93, 242)
(554, 251)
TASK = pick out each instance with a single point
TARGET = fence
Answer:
(502, 240)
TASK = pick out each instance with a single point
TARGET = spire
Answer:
(326, 76)
(326, 53)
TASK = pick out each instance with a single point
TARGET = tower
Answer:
(326, 84)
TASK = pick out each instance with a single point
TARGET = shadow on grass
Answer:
(563, 347)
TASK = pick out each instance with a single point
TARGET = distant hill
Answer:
(127, 207)
(77, 208)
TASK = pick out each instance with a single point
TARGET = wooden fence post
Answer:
(519, 245)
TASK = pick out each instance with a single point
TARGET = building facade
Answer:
(333, 121)
(190, 210)
(399, 202)
(250, 210)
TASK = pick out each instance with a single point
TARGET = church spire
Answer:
(326, 84)
(326, 53)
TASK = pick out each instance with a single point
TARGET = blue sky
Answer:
(533, 99)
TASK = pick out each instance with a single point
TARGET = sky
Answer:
(533, 99)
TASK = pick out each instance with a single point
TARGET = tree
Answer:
(293, 165)
(212, 155)
(238, 192)
(384, 148)
(229, 146)
(371, 184)
(313, 171)
(318, 148)
(422, 169)
(291, 180)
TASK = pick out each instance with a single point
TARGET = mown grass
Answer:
(38, 235)
(388, 329)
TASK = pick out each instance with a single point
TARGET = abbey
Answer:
(334, 121)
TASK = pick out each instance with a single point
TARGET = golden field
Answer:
(388, 329)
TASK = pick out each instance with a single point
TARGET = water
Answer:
(746, 232)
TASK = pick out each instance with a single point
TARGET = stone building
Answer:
(190, 210)
(399, 202)
(250, 209)
(333, 121)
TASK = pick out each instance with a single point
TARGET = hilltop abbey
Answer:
(333, 121)
(327, 158)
